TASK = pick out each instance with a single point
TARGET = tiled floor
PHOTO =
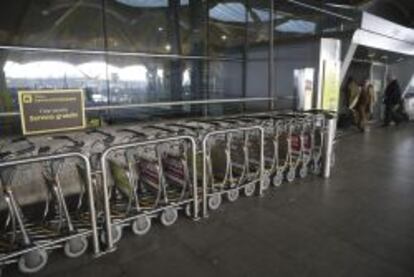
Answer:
(358, 223)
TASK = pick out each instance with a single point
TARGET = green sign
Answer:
(330, 94)
(47, 111)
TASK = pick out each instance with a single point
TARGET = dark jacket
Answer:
(392, 95)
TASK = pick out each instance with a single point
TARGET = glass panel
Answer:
(135, 80)
(157, 80)
(52, 23)
(220, 109)
(163, 27)
(291, 55)
(298, 28)
(227, 28)
(258, 24)
(295, 21)
(299, 20)
(35, 70)
(257, 77)
(257, 73)
(330, 24)
(225, 80)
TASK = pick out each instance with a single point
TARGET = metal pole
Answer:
(271, 54)
(262, 160)
(205, 199)
(207, 45)
(106, 58)
(330, 130)
(195, 179)
(92, 208)
(245, 53)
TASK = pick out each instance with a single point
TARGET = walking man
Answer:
(392, 102)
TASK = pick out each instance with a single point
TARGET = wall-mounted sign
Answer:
(304, 88)
(51, 111)
(330, 93)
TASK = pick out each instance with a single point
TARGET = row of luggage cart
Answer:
(83, 190)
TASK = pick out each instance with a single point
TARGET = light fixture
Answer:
(160, 29)
(224, 37)
(341, 6)
(168, 47)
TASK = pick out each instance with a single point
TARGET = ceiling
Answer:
(399, 11)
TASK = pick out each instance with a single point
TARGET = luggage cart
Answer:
(277, 146)
(318, 140)
(270, 147)
(293, 147)
(276, 149)
(96, 142)
(180, 128)
(304, 150)
(288, 145)
(26, 240)
(150, 178)
(227, 172)
(70, 214)
(315, 138)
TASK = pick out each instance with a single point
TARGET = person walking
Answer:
(352, 93)
(392, 102)
(363, 105)
(352, 96)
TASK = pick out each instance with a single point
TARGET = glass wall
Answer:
(298, 27)
(52, 24)
(34, 70)
(257, 53)
(140, 51)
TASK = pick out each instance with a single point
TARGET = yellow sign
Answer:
(46, 111)
(331, 88)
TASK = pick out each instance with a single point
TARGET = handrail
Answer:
(161, 104)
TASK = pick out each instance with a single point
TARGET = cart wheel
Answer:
(278, 179)
(266, 181)
(116, 234)
(290, 176)
(303, 172)
(33, 261)
(75, 247)
(233, 195)
(141, 225)
(169, 216)
(214, 201)
(249, 189)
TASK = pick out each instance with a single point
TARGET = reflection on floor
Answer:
(359, 223)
